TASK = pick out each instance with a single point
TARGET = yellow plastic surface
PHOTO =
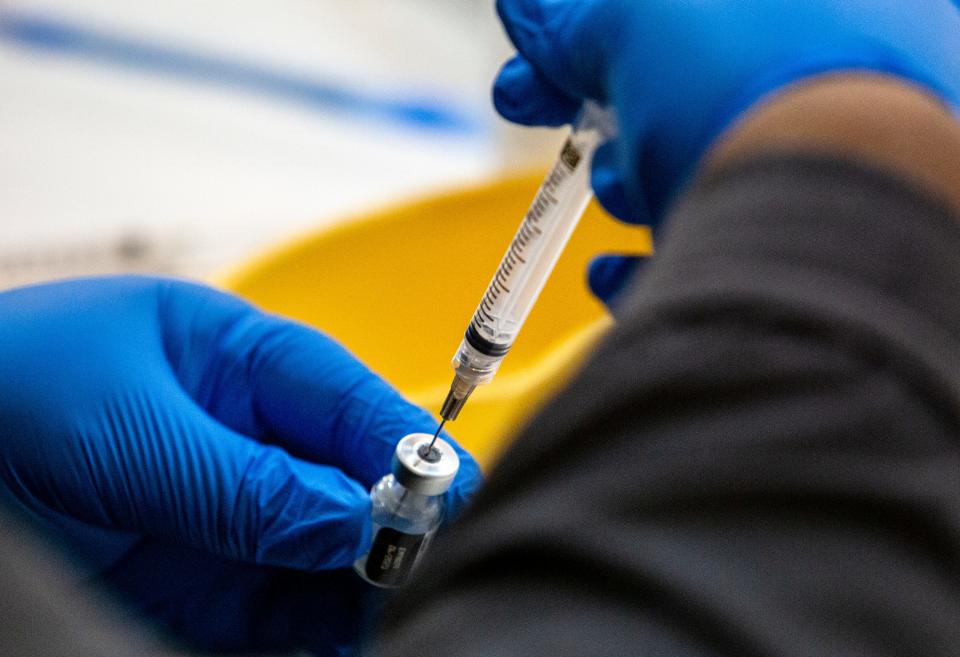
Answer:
(399, 286)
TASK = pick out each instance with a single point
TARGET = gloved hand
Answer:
(677, 73)
(194, 450)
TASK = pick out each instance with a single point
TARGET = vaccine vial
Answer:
(407, 508)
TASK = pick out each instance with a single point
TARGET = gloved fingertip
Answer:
(608, 189)
(522, 95)
(608, 276)
(507, 100)
(290, 504)
(607, 183)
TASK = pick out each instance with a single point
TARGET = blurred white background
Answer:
(183, 137)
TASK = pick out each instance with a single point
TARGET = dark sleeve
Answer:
(763, 459)
(47, 611)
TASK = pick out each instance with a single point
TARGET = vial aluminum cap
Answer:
(427, 477)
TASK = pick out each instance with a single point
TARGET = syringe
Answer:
(529, 261)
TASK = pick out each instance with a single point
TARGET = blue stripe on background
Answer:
(69, 39)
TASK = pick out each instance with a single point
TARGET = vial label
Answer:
(392, 556)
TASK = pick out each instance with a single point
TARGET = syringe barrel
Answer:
(534, 251)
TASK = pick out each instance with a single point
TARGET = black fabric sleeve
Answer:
(763, 459)
(46, 610)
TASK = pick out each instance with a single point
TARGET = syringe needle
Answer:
(437, 434)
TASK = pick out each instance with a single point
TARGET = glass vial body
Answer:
(407, 508)
(404, 522)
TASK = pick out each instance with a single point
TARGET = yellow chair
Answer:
(398, 287)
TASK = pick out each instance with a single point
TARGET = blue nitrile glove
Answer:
(679, 72)
(200, 455)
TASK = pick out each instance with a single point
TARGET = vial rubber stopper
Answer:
(424, 469)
